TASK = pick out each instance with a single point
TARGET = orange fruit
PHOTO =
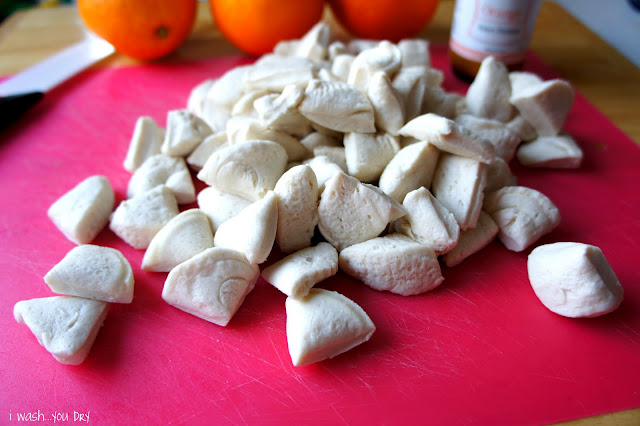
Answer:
(255, 26)
(390, 20)
(141, 29)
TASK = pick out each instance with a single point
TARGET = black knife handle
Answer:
(12, 107)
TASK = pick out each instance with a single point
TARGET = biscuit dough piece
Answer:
(501, 137)
(521, 80)
(367, 154)
(440, 102)
(412, 167)
(163, 170)
(499, 175)
(297, 273)
(82, 212)
(198, 158)
(324, 170)
(245, 105)
(215, 116)
(411, 85)
(93, 272)
(337, 106)
(335, 154)
(185, 131)
(316, 139)
(226, 90)
(220, 206)
(138, 219)
(545, 105)
(66, 326)
(428, 222)
(211, 285)
(522, 128)
(472, 240)
(557, 152)
(146, 142)
(323, 325)
(252, 231)
(522, 214)
(388, 108)
(298, 196)
(280, 112)
(242, 129)
(415, 52)
(275, 72)
(574, 279)
(180, 239)
(489, 94)
(458, 183)
(351, 212)
(248, 170)
(385, 57)
(394, 263)
(195, 102)
(449, 136)
(341, 66)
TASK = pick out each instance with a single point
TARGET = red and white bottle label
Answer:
(501, 28)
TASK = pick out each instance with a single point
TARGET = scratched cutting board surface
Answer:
(480, 349)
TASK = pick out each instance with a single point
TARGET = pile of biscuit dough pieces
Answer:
(360, 142)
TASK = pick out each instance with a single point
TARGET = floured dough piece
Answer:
(195, 102)
(82, 212)
(499, 175)
(449, 136)
(66, 326)
(472, 240)
(93, 272)
(138, 219)
(501, 137)
(275, 72)
(558, 152)
(220, 206)
(225, 91)
(388, 107)
(298, 196)
(415, 52)
(521, 80)
(574, 280)
(240, 130)
(323, 325)
(198, 158)
(244, 107)
(394, 263)
(252, 231)
(280, 112)
(522, 214)
(297, 273)
(341, 66)
(367, 154)
(146, 142)
(163, 170)
(522, 128)
(185, 131)
(337, 106)
(215, 116)
(428, 222)
(412, 167)
(351, 212)
(324, 169)
(545, 105)
(458, 183)
(385, 57)
(183, 237)
(211, 285)
(440, 102)
(247, 170)
(336, 154)
(411, 85)
(316, 139)
(489, 94)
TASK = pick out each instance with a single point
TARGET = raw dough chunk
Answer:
(545, 105)
(341, 66)
(324, 170)
(574, 280)
(316, 139)
(501, 137)
(472, 240)
(242, 129)
(522, 214)
(351, 212)
(185, 132)
(198, 158)
(297, 273)
(180, 239)
(415, 52)
(247, 170)
(275, 72)
(521, 80)
(384, 57)
(84, 211)
(559, 152)
(93, 272)
(394, 263)
(163, 170)
(298, 197)
(252, 231)
(411, 85)
(280, 112)
(226, 90)
(367, 154)
(211, 285)
(195, 102)
(449, 136)
(323, 325)
(219, 205)
(388, 107)
(488, 96)
(337, 106)
(66, 326)
(138, 219)
(458, 183)
(499, 175)
(146, 142)
(412, 167)
(245, 105)
(439, 102)
(335, 154)
(428, 222)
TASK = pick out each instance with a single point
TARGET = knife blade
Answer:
(22, 91)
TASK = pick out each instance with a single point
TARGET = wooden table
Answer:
(599, 72)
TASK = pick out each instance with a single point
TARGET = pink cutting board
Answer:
(480, 349)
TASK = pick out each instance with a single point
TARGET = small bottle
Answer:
(500, 28)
